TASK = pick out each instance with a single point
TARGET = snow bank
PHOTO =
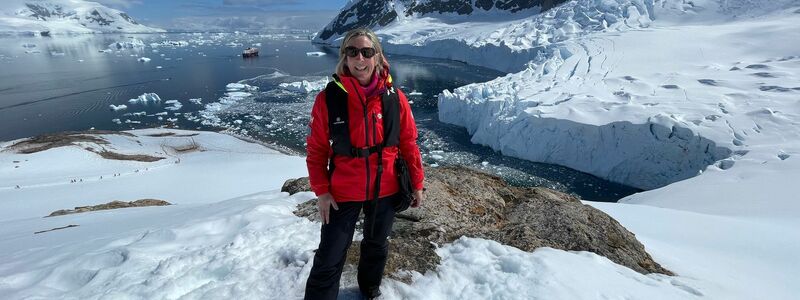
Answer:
(484, 269)
(719, 256)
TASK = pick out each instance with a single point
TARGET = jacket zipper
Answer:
(363, 101)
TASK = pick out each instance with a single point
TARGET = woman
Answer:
(346, 180)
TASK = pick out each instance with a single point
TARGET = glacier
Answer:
(641, 92)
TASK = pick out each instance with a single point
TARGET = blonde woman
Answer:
(360, 124)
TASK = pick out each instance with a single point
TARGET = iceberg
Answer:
(118, 107)
(146, 98)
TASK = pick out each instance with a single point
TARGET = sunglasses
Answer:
(353, 52)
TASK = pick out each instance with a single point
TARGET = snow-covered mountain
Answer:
(366, 13)
(64, 17)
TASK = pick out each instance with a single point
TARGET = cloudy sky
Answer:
(176, 14)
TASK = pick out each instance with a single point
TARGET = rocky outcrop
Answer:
(110, 205)
(463, 202)
(62, 139)
(293, 186)
(370, 14)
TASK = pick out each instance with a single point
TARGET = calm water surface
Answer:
(67, 83)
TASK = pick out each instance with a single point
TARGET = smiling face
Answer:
(360, 67)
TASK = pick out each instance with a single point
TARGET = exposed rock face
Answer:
(463, 202)
(293, 186)
(370, 13)
(110, 205)
(63, 139)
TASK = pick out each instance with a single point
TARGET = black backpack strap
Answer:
(338, 120)
(390, 103)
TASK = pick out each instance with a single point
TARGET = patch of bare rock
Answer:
(465, 202)
(110, 205)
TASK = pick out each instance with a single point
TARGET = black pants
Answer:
(323, 282)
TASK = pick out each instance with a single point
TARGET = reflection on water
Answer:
(43, 90)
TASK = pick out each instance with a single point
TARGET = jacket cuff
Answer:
(418, 186)
(321, 190)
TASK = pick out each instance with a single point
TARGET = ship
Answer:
(250, 52)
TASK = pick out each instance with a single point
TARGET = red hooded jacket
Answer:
(352, 175)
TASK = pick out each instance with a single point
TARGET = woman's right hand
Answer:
(324, 204)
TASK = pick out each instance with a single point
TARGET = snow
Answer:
(723, 257)
(484, 269)
(683, 98)
(143, 59)
(682, 107)
(315, 54)
(146, 98)
(233, 235)
(680, 97)
(48, 172)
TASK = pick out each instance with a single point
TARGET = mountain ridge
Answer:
(371, 14)
(38, 17)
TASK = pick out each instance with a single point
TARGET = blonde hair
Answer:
(380, 60)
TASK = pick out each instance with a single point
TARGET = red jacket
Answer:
(349, 180)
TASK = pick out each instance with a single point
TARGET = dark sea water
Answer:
(66, 83)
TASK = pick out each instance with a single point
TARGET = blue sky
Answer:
(165, 13)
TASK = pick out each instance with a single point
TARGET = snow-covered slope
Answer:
(376, 14)
(231, 235)
(45, 179)
(65, 16)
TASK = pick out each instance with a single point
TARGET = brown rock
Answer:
(110, 205)
(464, 202)
(293, 186)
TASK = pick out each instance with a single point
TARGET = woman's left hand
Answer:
(418, 198)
